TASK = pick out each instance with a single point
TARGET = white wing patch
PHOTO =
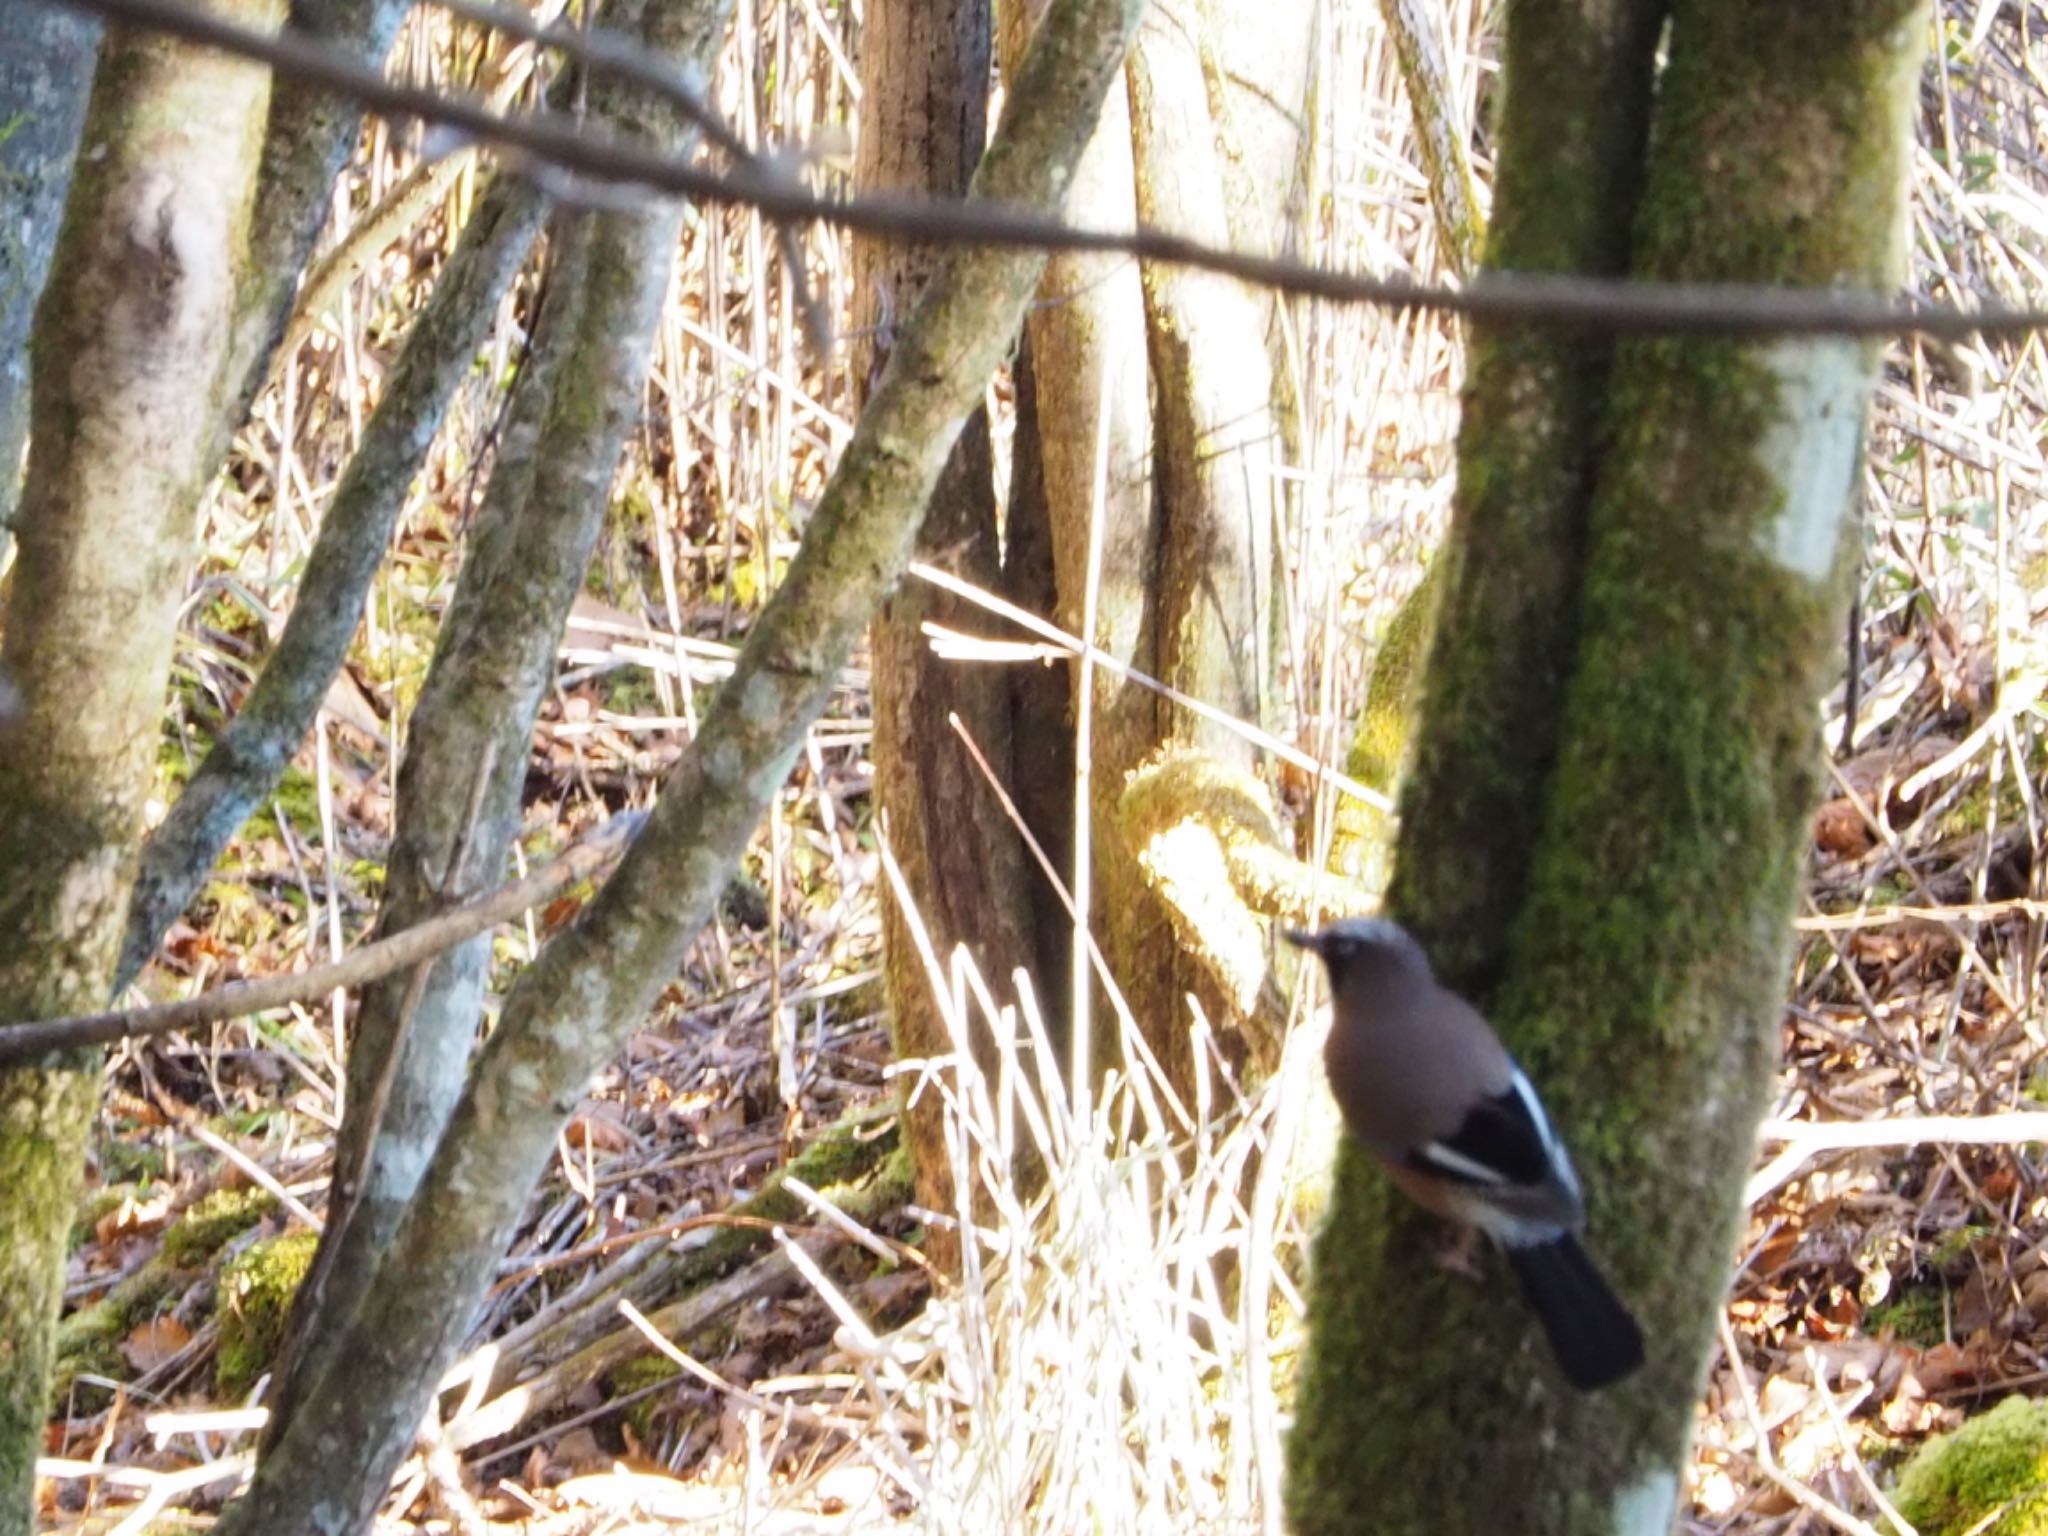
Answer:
(1560, 1160)
(1455, 1163)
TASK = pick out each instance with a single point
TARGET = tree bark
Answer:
(1170, 380)
(593, 983)
(251, 754)
(924, 120)
(1571, 163)
(1645, 964)
(46, 59)
(1442, 134)
(130, 365)
(1215, 454)
(1087, 332)
(307, 140)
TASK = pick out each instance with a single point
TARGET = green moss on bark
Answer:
(89, 1339)
(1362, 848)
(211, 1220)
(1571, 161)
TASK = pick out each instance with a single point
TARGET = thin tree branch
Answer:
(618, 54)
(581, 861)
(678, 84)
(1607, 306)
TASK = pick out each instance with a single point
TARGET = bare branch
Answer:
(1607, 306)
(581, 861)
(622, 56)
(617, 54)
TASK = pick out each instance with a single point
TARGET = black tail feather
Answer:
(1591, 1333)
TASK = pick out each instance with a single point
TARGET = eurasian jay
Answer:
(1427, 1086)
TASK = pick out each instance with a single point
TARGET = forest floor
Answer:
(1888, 1285)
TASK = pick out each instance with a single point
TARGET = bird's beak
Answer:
(1302, 938)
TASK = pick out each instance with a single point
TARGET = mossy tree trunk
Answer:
(130, 367)
(1626, 919)
(573, 1009)
(1569, 177)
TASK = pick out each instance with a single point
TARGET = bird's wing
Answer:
(1504, 1142)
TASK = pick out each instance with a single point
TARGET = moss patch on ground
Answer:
(1990, 1476)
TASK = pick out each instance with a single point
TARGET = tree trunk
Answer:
(924, 119)
(1216, 452)
(1646, 935)
(1442, 133)
(130, 365)
(46, 59)
(1178, 545)
(1571, 163)
(1087, 332)
(306, 142)
(249, 757)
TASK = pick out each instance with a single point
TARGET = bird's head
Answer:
(1353, 945)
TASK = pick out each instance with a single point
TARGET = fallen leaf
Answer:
(134, 1215)
(1942, 1366)
(597, 1124)
(153, 1342)
(1839, 829)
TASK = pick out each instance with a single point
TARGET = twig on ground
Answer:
(1807, 1138)
(1766, 1460)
